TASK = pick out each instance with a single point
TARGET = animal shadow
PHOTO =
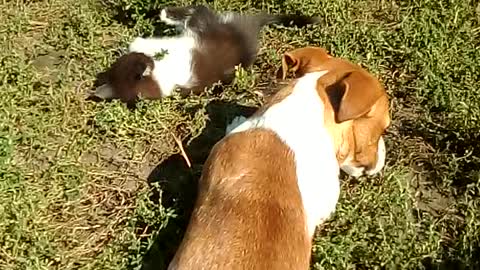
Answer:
(178, 182)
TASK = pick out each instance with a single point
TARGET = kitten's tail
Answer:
(255, 22)
(285, 19)
(250, 25)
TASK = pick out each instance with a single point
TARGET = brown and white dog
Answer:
(275, 176)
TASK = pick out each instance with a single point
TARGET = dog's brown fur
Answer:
(250, 219)
(249, 213)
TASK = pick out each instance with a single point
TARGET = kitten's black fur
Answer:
(203, 20)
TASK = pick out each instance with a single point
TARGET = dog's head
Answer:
(128, 78)
(356, 108)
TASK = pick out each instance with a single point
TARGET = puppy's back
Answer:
(249, 213)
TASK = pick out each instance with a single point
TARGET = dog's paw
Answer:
(237, 121)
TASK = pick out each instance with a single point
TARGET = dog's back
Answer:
(249, 212)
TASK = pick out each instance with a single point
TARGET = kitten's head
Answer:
(128, 78)
(180, 16)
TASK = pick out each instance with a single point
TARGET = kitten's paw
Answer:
(163, 15)
(237, 121)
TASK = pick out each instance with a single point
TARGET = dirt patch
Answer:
(47, 65)
(428, 198)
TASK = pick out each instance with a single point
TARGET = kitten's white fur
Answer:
(165, 19)
(227, 16)
(297, 120)
(175, 68)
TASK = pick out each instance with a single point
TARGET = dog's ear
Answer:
(289, 63)
(303, 60)
(353, 95)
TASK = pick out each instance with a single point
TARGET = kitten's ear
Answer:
(163, 14)
(147, 72)
(303, 60)
(104, 91)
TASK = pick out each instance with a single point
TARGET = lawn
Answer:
(96, 185)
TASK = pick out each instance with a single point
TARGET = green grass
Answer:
(74, 192)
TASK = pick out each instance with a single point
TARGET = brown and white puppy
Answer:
(264, 188)
(358, 112)
(274, 177)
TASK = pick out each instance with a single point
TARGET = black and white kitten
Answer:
(207, 51)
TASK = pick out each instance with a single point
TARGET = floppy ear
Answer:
(303, 60)
(294, 61)
(353, 95)
(104, 91)
(289, 62)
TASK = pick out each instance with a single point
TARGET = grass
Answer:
(78, 188)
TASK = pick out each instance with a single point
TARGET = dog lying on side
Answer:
(275, 176)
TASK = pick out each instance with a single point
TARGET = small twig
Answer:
(180, 145)
(38, 23)
(184, 154)
(85, 228)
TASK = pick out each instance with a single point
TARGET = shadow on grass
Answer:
(179, 183)
(446, 168)
(453, 260)
(455, 156)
